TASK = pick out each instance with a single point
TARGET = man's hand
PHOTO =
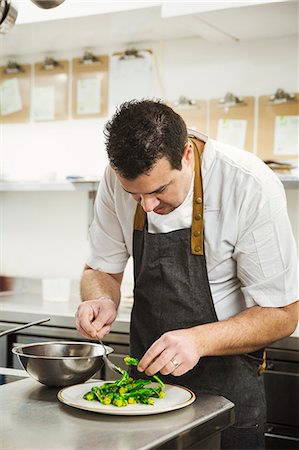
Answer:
(95, 317)
(178, 351)
(174, 352)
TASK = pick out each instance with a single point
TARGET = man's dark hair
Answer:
(140, 133)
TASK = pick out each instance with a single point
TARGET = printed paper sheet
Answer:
(232, 132)
(88, 96)
(44, 103)
(286, 135)
(10, 97)
(130, 78)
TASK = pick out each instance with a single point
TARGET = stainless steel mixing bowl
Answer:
(61, 363)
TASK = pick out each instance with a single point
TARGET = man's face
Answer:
(163, 189)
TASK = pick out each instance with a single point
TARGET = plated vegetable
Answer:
(127, 391)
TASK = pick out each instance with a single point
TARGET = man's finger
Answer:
(163, 361)
(100, 322)
(80, 329)
(180, 370)
(88, 329)
(82, 332)
(103, 332)
(151, 354)
(83, 321)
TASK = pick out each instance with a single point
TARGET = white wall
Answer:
(44, 233)
(190, 67)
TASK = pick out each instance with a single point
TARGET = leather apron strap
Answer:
(197, 218)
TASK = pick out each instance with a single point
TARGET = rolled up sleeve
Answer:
(108, 251)
(266, 253)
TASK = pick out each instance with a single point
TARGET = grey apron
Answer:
(172, 292)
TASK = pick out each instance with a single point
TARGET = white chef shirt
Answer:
(249, 246)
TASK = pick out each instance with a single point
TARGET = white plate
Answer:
(176, 397)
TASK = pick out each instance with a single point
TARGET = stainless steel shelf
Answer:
(48, 186)
(289, 181)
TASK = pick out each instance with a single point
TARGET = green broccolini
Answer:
(126, 390)
(129, 361)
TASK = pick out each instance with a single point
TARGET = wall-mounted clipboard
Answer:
(231, 120)
(131, 76)
(50, 91)
(193, 112)
(15, 82)
(90, 86)
(278, 126)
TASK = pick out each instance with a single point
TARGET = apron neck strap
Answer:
(197, 213)
(197, 217)
(139, 218)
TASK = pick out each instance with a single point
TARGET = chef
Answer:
(215, 262)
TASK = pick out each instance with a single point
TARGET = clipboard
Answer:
(278, 105)
(131, 76)
(51, 77)
(20, 77)
(193, 112)
(232, 108)
(90, 86)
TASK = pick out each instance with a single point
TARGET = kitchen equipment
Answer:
(21, 327)
(47, 4)
(61, 363)
(110, 364)
(282, 387)
(9, 12)
(8, 15)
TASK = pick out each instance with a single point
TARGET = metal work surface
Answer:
(34, 418)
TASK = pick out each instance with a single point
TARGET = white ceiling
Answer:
(28, 12)
(264, 21)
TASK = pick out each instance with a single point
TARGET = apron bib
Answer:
(172, 291)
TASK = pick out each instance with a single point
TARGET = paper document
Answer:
(89, 96)
(44, 103)
(10, 97)
(130, 78)
(286, 135)
(232, 132)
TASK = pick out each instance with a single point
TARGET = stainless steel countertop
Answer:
(33, 418)
(22, 307)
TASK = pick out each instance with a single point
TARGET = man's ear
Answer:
(188, 152)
